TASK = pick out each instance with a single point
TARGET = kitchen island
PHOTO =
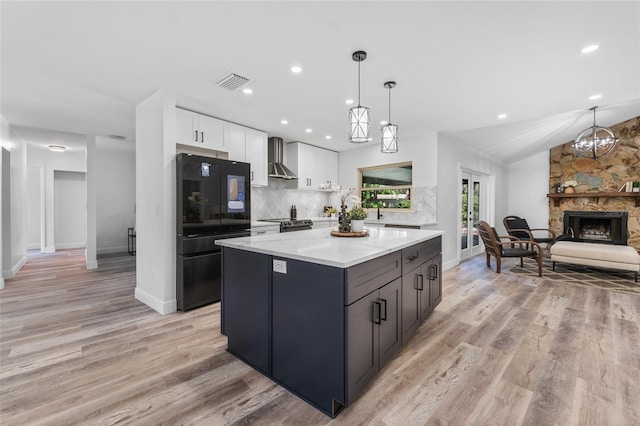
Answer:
(321, 315)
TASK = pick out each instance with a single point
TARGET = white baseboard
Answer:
(110, 250)
(155, 303)
(65, 246)
(33, 246)
(450, 264)
(91, 265)
(1, 283)
(49, 249)
(10, 273)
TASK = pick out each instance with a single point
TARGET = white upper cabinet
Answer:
(201, 130)
(314, 166)
(250, 146)
(256, 154)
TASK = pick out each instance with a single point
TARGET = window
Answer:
(386, 187)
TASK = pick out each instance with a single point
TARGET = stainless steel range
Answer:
(290, 225)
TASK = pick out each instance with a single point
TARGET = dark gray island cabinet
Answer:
(324, 330)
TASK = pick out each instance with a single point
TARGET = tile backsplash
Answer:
(275, 200)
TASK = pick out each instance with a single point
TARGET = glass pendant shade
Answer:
(359, 116)
(389, 138)
(595, 141)
(359, 124)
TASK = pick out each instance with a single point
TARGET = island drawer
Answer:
(418, 254)
(369, 276)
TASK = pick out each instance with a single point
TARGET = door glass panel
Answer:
(476, 212)
(464, 223)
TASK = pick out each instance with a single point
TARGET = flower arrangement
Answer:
(357, 213)
(570, 183)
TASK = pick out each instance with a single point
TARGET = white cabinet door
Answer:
(256, 154)
(187, 127)
(200, 130)
(237, 143)
(213, 133)
(314, 166)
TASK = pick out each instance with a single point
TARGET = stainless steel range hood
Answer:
(276, 167)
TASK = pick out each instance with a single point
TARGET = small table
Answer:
(131, 246)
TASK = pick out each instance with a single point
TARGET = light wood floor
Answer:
(77, 348)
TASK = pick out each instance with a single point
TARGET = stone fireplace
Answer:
(605, 227)
(599, 180)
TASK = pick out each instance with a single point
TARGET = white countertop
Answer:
(318, 246)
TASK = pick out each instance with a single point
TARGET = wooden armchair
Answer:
(519, 228)
(514, 247)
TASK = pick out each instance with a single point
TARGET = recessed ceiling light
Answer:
(247, 91)
(348, 101)
(594, 97)
(57, 148)
(284, 122)
(501, 116)
(296, 69)
(369, 139)
(308, 130)
(383, 122)
(328, 137)
(590, 48)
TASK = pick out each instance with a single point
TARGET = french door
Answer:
(472, 189)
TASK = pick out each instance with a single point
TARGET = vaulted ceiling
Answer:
(82, 67)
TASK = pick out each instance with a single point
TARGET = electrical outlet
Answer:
(280, 266)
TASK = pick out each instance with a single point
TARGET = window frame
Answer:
(395, 187)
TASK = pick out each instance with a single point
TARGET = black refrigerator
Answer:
(213, 202)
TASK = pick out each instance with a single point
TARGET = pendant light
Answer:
(359, 115)
(595, 141)
(389, 131)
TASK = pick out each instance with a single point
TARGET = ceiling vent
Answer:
(117, 137)
(232, 81)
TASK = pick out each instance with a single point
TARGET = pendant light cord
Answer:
(389, 106)
(359, 82)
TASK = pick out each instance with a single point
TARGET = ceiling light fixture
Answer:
(284, 122)
(594, 97)
(57, 148)
(501, 116)
(348, 101)
(359, 115)
(296, 69)
(595, 141)
(308, 130)
(389, 131)
(590, 48)
(247, 91)
(328, 137)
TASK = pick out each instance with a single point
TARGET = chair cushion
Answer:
(518, 224)
(596, 251)
(518, 252)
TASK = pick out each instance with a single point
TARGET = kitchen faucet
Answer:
(379, 214)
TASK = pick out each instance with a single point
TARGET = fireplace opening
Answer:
(606, 227)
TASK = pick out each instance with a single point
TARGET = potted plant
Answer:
(357, 216)
(636, 186)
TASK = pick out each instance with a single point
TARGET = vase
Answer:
(357, 225)
(569, 190)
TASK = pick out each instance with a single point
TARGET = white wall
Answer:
(4, 138)
(155, 201)
(116, 194)
(70, 210)
(528, 188)
(14, 216)
(452, 156)
(35, 207)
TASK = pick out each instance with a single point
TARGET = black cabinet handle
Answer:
(384, 318)
(374, 313)
(433, 272)
(412, 258)
(252, 175)
(420, 287)
(196, 136)
(201, 137)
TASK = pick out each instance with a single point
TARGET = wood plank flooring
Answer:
(77, 348)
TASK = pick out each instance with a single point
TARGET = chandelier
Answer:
(595, 141)
(359, 115)
(389, 131)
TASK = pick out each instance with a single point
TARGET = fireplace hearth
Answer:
(607, 227)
